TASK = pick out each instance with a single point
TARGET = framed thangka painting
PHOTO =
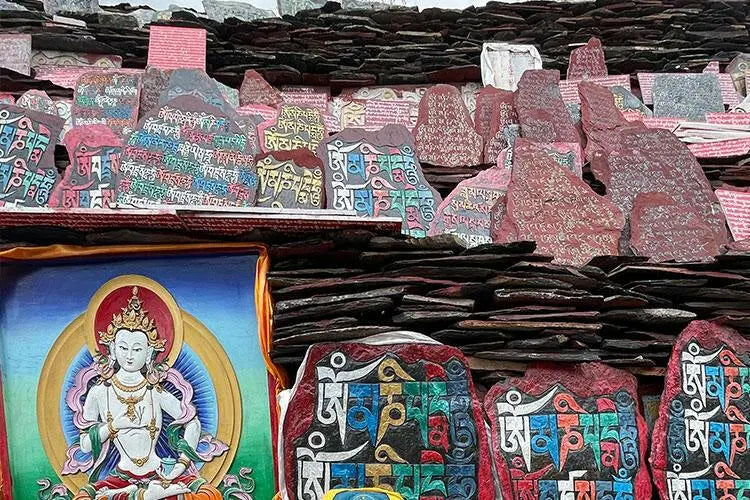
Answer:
(136, 373)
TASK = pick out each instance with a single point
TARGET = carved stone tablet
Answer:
(186, 152)
(91, 178)
(27, 156)
(541, 110)
(587, 61)
(153, 82)
(402, 416)
(552, 206)
(36, 100)
(687, 96)
(256, 90)
(699, 444)
(16, 53)
(625, 101)
(107, 98)
(665, 230)
(295, 127)
(569, 432)
(378, 174)
(465, 212)
(197, 83)
(493, 113)
(290, 179)
(444, 132)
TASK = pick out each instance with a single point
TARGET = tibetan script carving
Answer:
(295, 127)
(541, 110)
(494, 111)
(290, 179)
(107, 98)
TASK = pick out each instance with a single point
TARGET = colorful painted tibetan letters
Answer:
(569, 433)
(192, 383)
(27, 153)
(699, 445)
(378, 174)
(187, 153)
(107, 98)
(290, 179)
(295, 127)
(403, 417)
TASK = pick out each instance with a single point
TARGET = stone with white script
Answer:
(688, 96)
(541, 110)
(108, 98)
(587, 61)
(494, 111)
(256, 90)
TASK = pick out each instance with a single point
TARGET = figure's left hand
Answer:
(176, 472)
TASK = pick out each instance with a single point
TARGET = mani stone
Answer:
(27, 156)
(219, 11)
(153, 82)
(687, 96)
(697, 443)
(108, 98)
(541, 110)
(196, 83)
(465, 212)
(256, 90)
(290, 179)
(71, 6)
(36, 100)
(91, 178)
(552, 206)
(294, 127)
(626, 102)
(664, 230)
(444, 131)
(382, 415)
(378, 174)
(569, 431)
(654, 160)
(588, 61)
(494, 111)
(738, 68)
(601, 119)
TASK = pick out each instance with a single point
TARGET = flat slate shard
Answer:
(27, 156)
(290, 179)
(687, 96)
(664, 230)
(541, 110)
(552, 206)
(295, 127)
(699, 441)
(221, 10)
(186, 152)
(16, 53)
(256, 90)
(444, 131)
(587, 61)
(378, 174)
(627, 102)
(401, 416)
(569, 432)
(494, 111)
(91, 178)
(196, 83)
(465, 212)
(153, 82)
(73, 6)
(654, 160)
(107, 98)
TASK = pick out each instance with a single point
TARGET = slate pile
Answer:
(502, 305)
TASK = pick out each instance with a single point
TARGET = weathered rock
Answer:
(418, 300)
(687, 96)
(657, 316)
(627, 102)
(444, 132)
(738, 68)
(195, 83)
(543, 198)
(220, 10)
(514, 297)
(394, 292)
(153, 82)
(600, 117)
(541, 110)
(256, 90)
(587, 61)
(493, 113)
(406, 318)
(355, 308)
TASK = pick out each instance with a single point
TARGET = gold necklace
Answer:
(128, 388)
(152, 429)
(130, 402)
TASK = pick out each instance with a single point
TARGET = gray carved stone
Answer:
(688, 96)
(219, 11)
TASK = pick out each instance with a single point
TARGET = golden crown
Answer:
(133, 317)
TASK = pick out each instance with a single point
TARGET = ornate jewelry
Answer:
(129, 388)
(152, 428)
(130, 402)
(112, 431)
(184, 461)
(133, 317)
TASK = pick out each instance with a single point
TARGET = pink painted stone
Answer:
(256, 90)
(497, 213)
(444, 132)
(541, 110)
(587, 61)
(494, 110)
(552, 206)
(465, 212)
(705, 387)
(562, 395)
(664, 230)
(384, 415)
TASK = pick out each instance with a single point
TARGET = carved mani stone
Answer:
(541, 110)
(548, 204)
(665, 230)
(444, 131)
(587, 61)
(256, 90)
(378, 174)
(687, 96)
(699, 441)
(295, 127)
(290, 179)
(400, 416)
(601, 119)
(561, 432)
(108, 98)
(494, 111)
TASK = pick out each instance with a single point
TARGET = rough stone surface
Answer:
(600, 118)
(587, 61)
(196, 83)
(698, 440)
(687, 96)
(290, 179)
(541, 110)
(256, 90)
(378, 174)
(494, 111)
(220, 10)
(569, 429)
(627, 102)
(444, 131)
(550, 205)
(153, 82)
(400, 406)
(664, 230)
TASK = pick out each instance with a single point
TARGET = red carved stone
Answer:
(256, 90)
(541, 110)
(444, 132)
(587, 61)
(552, 206)
(494, 111)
